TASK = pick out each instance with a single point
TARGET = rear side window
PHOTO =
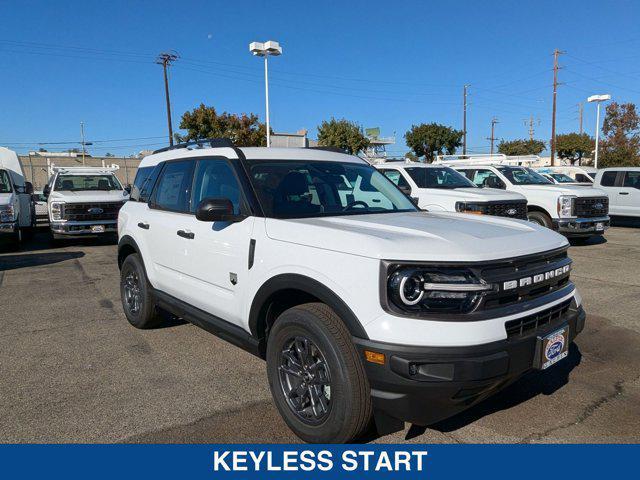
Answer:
(396, 177)
(609, 179)
(144, 182)
(580, 177)
(632, 179)
(173, 189)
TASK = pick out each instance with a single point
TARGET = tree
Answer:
(621, 142)
(43, 150)
(574, 146)
(109, 154)
(429, 139)
(521, 147)
(411, 156)
(342, 134)
(204, 122)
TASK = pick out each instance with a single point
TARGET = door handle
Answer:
(144, 226)
(185, 234)
(376, 200)
(623, 193)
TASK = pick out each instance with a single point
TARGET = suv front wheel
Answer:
(137, 300)
(316, 377)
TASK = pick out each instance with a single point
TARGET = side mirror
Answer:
(28, 188)
(405, 189)
(415, 201)
(128, 189)
(217, 210)
(46, 190)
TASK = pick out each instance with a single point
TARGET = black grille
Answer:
(87, 212)
(591, 207)
(531, 323)
(508, 209)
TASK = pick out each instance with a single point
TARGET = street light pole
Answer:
(598, 99)
(82, 135)
(265, 49)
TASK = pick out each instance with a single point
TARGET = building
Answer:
(292, 140)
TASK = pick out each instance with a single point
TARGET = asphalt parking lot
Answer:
(73, 370)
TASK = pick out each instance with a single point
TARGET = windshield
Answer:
(74, 183)
(441, 177)
(561, 178)
(5, 182)
(307, 188)
(523, 176)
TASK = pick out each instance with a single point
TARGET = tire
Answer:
(540, 218)
(137, 301)
(347, 400)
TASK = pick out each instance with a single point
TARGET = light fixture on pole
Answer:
(598, 99)
(265, 49)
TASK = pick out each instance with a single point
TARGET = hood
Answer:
(473, 194)
(92, 196)
(560, 189)
(6, 198)
(422, 236)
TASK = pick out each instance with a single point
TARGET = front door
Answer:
(218, 254)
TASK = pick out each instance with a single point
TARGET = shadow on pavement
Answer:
(12, 262)
(631, 222)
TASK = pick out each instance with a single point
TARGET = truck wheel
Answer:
(316, 377)
(540, 218)
(137, 301)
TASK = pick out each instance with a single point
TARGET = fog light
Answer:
(374, 357)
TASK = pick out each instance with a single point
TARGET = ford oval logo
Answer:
(95, 211)
(598, 206)
(512, 211)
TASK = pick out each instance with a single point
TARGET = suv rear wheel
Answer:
(316, 377)
(137, 300)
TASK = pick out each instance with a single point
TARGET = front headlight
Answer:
(425, 289)
(7, 213)
(56, 210)
(565, 206)
(476, 208)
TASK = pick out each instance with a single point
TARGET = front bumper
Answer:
(582, 226)
(424, 385)
(8, 228)
(83, 228)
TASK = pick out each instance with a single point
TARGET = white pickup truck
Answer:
(84, 201)
(443, 189)
(17, 208)
(622, 184)
(572, 210)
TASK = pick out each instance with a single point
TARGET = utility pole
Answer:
(556, 54)
(464, 122)
(83, 143)
(580, 116)
(166, 59)
(531, 131)
(494, 120)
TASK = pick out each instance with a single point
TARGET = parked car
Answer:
(17, 207)
(42, 211)
(622, 184)
(443, 189)
(84, 201)
(578, 174)
(572, 210)
(361, 304)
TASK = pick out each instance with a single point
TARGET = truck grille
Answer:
(531, 323)
(88, 212)
(508, 209)
(591, 207)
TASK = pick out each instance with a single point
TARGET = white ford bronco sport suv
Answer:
(84, 201)
(361, 309)
(443, 189)
(573, 210)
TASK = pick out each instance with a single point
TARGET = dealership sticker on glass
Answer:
(555, 347)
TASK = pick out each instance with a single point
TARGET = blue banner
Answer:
(318, 462)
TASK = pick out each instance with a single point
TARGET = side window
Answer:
(144, 182)
(486, 178)
(173, 189)
(632, 179)
(396, 177)
(609, 179)
(468, 173)
(215, 179)
(580, 177)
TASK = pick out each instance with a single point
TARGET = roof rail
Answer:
(201, 143)
(484, 159)
(328, 149)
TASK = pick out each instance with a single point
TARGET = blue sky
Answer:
(386, 64)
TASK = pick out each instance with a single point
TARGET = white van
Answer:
(17, 209)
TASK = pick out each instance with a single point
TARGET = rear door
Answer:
(629, 194)
(611, 183)
(168, 222)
